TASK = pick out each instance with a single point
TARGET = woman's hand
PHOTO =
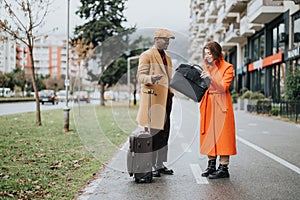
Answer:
(205, 74)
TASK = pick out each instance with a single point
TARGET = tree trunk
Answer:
(37, 100)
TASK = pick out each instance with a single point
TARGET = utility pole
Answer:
(67, 81)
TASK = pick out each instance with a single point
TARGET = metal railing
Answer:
(286, 109)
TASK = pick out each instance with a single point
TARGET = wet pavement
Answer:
(266, 166)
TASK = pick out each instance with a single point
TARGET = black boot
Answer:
(211, 168)
(222, 172)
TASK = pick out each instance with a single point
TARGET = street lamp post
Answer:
(67, 82)
(129, 59)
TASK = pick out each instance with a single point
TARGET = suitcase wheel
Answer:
(145, 179)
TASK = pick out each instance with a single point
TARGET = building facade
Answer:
(50, 57)
(8, 53)
(259, 37)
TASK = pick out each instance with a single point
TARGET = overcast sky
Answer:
(171, 14)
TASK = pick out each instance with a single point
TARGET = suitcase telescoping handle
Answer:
(149, 110)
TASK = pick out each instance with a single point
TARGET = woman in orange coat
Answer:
(217, 127)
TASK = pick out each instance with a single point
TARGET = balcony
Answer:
(210, 17)
(200, 16)
(202, 13)
(245, 29)
(212, 30)
(216, 36)
(264, 11)
(201, 2)
(220, 3)
(226, 17)
(219, 28)
(212, 9)
(237, 6)
(201, 35)
(233, 34)
(205, 27)
(201, 28)
(226, 46)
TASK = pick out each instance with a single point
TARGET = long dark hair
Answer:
(215, 49)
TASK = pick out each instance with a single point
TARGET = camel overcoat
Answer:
(217, 126)
(150, 62)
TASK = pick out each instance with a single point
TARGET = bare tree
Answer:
(81, 52)
(21, 19)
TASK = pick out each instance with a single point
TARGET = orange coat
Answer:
(217, 126)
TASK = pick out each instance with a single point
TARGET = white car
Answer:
(62, 96)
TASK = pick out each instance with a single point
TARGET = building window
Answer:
(296, 29)
(275, 41)
(279, 38)
(262, 46)
(282, 37)
(258, 47)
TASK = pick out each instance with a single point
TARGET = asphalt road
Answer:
(22, 107)
(266, 166)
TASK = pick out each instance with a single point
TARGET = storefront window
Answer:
(279, 38)
(259, 47)
(282, 77)
(255, 48)
(282, 37)
(262, 46)
(274, 43)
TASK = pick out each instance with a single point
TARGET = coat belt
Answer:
(216, 92)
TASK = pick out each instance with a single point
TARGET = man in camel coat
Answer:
(155, 73)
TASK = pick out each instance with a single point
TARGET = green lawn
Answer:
(44, 163)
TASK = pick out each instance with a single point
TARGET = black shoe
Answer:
(211, 168)
(222, 172)
(145, 179)
(165, 170)
(156, 173)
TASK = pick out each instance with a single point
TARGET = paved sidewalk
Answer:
(264, 143)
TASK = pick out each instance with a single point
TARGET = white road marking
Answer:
(186, 147)
(270, 155)
(197, 174)
(252, 124)
(265, 132)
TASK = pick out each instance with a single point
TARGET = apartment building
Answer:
(261, 38)
(50, 56)
(8, 54)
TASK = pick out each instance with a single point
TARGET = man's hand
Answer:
(156, 77)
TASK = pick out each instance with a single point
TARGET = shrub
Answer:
(292, 86)
(234, 96)
(257, 95)
(246, 95)
(275, 111)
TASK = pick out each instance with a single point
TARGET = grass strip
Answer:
(41, 162)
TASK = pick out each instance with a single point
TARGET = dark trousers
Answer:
(160, 137)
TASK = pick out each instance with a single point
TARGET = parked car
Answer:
(82, 96)
(5, 92)
(48, 96)
(109, 95)
(62, 96)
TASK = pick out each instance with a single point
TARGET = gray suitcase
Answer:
(139, 155)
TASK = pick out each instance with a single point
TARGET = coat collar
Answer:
(159, 59)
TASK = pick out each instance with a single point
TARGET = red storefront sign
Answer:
(265, 62)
